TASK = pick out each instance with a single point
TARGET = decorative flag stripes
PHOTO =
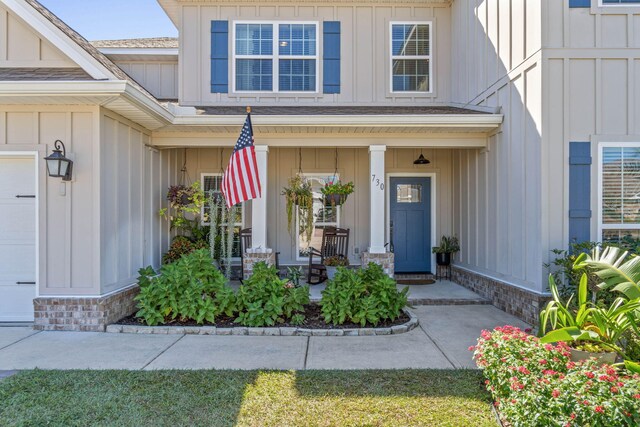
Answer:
(240, 181)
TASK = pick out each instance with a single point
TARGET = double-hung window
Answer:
(276, 57)
(213, 181)
(620, 192)
(324, 215)
(410, 57)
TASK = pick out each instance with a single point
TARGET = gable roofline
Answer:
(32, 15)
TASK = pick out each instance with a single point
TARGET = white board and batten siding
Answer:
(497, 191)
(160, 78)
(365, 52)
(66, 214)
(134, 178)
(21, 46)
(592, 93)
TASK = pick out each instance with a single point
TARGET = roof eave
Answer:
(487, 121)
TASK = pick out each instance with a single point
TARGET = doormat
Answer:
(415, 281)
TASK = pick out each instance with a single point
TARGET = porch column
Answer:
(259, 206)
(377, 193)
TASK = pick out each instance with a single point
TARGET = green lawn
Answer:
(241, 398)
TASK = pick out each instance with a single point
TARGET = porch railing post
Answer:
(259, 206)
(377, 192)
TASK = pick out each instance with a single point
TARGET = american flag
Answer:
(240, 181)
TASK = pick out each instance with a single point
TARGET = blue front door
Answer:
(410, 224)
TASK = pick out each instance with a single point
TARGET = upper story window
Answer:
(276, 57)
(411, 57)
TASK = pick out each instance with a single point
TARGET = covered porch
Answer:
(373, 147)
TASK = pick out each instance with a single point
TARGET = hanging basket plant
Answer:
(336, 193)
(186, 197)
(299, 198)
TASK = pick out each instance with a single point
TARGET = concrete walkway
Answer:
(440, 342)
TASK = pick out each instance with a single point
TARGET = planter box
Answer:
(608, 357)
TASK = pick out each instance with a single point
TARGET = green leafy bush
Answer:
(535, 384)
(188, 289)
(362, 296)
(264, 299)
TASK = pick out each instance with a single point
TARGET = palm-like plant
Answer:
(615, 268)
(603, 326)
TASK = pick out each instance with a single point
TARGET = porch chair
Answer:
(245, 242)
(335, 241)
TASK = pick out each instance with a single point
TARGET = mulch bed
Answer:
(313, 320)
(415, 281)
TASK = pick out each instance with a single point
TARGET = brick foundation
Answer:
(250, 259)
(83, 314)
(521, 303)
(386, 260)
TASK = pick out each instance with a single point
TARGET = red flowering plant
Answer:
(535, 384)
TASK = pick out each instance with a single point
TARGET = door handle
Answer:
(25, 196)
(25, 283)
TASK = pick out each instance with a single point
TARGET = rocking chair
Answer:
(335, 242)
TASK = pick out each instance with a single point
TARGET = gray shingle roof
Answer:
(155, 42)
(337, 111)
(88, 47)
(49, 74)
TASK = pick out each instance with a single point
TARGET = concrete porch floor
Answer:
(441, 342)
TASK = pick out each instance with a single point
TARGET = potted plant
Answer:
(336, 192)
(333, 262)
(299, 196)
(448, 245)
(182, 196)
(590, 330)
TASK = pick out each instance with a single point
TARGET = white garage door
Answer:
(17, 239)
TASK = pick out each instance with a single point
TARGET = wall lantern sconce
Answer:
(421, 160)
(58, 165)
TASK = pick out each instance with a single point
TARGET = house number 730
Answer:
(376, 182)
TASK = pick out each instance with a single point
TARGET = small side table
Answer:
(443, 272)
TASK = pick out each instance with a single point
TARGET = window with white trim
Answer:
(410, 57)
(276, 57)
(212, 181)
(620, 193)
(324, 215)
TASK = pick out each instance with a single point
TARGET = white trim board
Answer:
(433, 201)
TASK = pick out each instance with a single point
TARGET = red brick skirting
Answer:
(81, 313)
(523, 304)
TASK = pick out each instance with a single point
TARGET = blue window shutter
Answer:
(579, 192)
(579, 3)
(219, 57)
(331, 57)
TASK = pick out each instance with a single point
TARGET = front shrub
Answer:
(362, 296)
(188, 289)
(264, 299)
(535, 384)
(181, 245)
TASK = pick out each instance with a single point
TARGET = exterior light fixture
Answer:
(421, 160)
(58, 166)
